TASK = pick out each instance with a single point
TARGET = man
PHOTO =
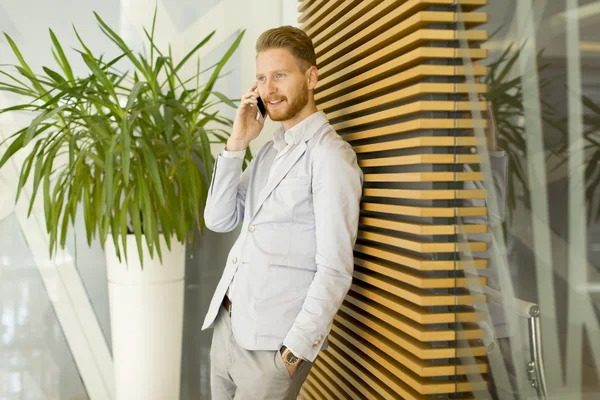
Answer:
(298, 202)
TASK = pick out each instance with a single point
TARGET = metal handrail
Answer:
(535, 366)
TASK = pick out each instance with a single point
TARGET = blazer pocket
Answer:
(296, 180)
(295, 267)
(284, 284)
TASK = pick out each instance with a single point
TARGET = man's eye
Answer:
(262, 78)
(279, 76)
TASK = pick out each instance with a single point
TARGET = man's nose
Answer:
(271, 88)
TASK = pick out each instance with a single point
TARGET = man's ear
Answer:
(312, 74)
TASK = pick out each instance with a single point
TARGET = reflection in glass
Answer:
(35, 360)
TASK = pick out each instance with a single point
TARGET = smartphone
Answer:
(261, 107)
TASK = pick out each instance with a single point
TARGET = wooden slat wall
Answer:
(392, 82)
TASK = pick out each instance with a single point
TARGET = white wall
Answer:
(77, 287)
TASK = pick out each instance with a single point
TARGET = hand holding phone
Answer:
(248, 122)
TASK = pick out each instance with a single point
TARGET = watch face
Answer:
(292, 359)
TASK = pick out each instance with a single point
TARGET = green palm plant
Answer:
(132, 147)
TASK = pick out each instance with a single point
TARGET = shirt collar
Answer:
(295, 134)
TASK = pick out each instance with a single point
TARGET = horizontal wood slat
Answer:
(417, 263)
(414, 125)
(372, 376)
(412, 277)
(372, 54)
(418, 314)
(334, 113)
(392, 59)
(407, 110)
(393, 84)
(422, 229)
(328, 390)
(308, 18)
(425, 194)
(392, 327)
(341, 95)
(420, 159)
(425, 177)
(422, 247)
(361, 383)
(351, 78)
(308, 8)
(420, 385)
(335, 12)
(435, 141)
(382, 18)
(393, 356)
(425, 211)
(415, 295)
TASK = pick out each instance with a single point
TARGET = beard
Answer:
(289, 109)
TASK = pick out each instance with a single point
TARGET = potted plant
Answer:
(132, 150)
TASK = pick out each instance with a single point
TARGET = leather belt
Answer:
(227, 304)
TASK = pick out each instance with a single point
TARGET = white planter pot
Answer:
(146, 311)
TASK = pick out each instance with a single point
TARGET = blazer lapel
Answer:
(290, 159)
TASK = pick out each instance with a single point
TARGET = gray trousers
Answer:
(240, 374)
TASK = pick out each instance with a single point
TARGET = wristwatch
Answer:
(288, 357)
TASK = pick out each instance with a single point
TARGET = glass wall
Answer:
(544, 88)
(35, 359)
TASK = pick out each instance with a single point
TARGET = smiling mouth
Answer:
(275, 102)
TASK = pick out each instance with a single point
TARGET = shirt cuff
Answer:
(233, 154)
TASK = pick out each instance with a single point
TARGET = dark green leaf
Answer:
(122, 45)
(66, 67)
(109, 174)
(27, 72)
(209, 85)
(134, 213)
(152, 34)
(15, 146)
(225, 99)
(88, 209)
(133, 95)
(194, 50)
(26, 169)
(125, 150)
(99, 73)
(32, 129)
(55, 76)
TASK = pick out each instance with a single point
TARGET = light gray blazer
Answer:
(294, 257)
